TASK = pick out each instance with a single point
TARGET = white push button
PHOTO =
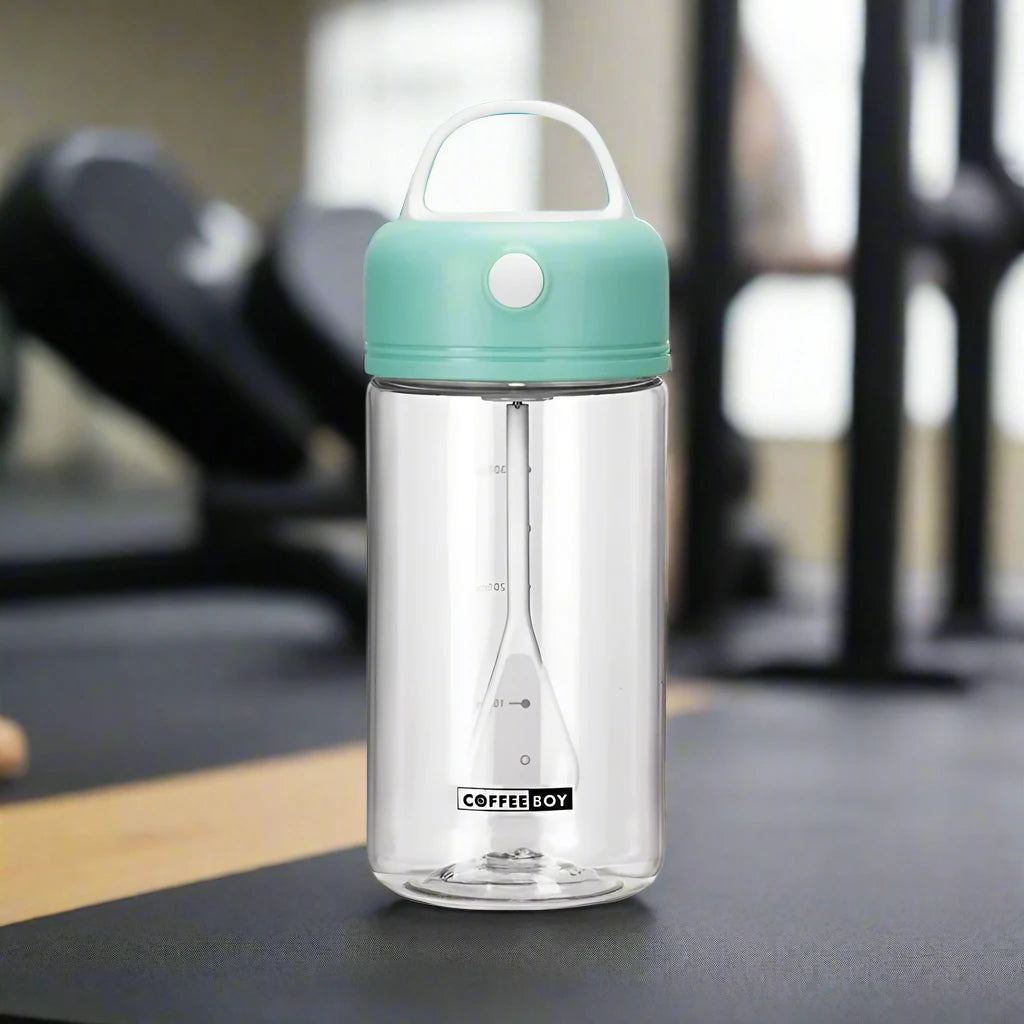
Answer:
(516, 280)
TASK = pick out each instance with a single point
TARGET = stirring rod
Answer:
(529, 743)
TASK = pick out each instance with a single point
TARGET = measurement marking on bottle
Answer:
(524, 703)
(496, 587)
(497, 469)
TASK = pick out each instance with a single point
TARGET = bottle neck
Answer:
(508, 392)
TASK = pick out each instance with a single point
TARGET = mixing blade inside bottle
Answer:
(520, 738)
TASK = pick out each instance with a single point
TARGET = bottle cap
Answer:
(549, 295)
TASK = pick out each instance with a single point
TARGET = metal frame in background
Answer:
(982, 233)
(710, 286)
(978, 228)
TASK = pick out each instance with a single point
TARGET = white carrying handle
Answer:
(617, 208)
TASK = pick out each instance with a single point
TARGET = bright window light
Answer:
(930, 358)
(385, 73)
(788, 358)
(1008, 378)
(790, 348)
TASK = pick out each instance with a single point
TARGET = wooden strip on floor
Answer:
(83, 848)
(686, 698)
(79, 849)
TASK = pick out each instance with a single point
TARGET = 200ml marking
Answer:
(555, 798)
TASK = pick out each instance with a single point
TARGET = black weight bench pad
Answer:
(304, 303)
(94, 232)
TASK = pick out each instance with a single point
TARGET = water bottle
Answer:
(516, 474)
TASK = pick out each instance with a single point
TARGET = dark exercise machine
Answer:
(978, 229)
(99, 238)
(710, 284)
(8, 378)
(303, 301)
(981, 238)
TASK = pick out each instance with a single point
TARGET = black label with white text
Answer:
(550, 799)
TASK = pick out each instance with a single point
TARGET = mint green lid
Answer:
(544, 296)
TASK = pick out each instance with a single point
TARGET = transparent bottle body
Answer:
(517, 609)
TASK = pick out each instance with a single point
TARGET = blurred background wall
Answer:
(628, 61)
(260, 100)
(222, 83)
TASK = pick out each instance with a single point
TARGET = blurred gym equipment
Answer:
(304, 304)
(981, 232)
(106, 255)
(95, 232)
(978, 230)
(8, 377)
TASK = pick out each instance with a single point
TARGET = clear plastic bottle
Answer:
(517, 598)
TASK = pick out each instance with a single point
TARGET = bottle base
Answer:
(521, 880)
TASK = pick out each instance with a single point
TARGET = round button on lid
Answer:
(516, 280)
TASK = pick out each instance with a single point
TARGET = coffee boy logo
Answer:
(551, 799)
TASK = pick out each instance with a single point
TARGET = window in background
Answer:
(798, 332)
(811, 53)
(1008, 315)
(1010, 86)
(930, 360)
(385, 73)
(789, 339)
(1008, 357)
(934, 96)
(788, 342)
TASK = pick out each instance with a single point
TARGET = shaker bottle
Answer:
(516, 475)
